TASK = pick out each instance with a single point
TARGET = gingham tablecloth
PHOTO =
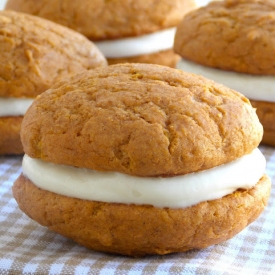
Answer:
(28, 248)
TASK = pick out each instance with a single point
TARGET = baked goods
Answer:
(35, 53)
(125, 31)
(141, 159)
(232, 42)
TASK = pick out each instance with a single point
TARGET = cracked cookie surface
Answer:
(140, 119)
(100, 20)
(35, 53)
(230, 35)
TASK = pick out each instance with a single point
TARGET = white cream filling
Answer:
(134, 46)
(14, 106)
(202, 2)
(257, 87)
(174, 192)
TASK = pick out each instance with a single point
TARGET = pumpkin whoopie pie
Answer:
(139, 159)
(34, 54)
(233, 43)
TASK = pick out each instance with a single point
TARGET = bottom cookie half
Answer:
(138, 230)
(10, 142)
(165, 58)
(266, 114)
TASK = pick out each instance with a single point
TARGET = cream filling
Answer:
(174, 192)
(202, 2)
(14, 106)
(134, 46)
(257, 87)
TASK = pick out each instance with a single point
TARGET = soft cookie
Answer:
(35, 53)
(233, 42)
(142, 159)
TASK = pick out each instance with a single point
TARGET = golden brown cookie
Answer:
(236, 36)
(109, 20)
(100, 20)
(266, 114)
(230, 35)
(9, 138)
(147, 121)
(35, 53)
(138, 230)
(150, 120)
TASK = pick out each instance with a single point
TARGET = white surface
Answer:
(2, 4)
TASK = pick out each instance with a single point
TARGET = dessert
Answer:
(142, 159)
(35, 53)
(232, 42)
(125, 31)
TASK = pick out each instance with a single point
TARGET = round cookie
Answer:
(233, 36)
(35, 53)
(138, 230)
(144, 121)
(109, 21)
(168, 118)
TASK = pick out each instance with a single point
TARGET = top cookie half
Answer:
(140, 119)
(237, 35)
(100, 20)
(35, 53)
